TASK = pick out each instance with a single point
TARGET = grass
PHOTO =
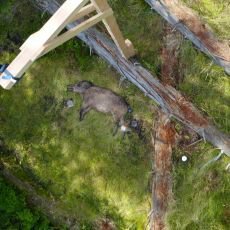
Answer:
(80, 163)
(206, 85)
(201, 195)
(215, 13)
(81, 157)
(93, 174)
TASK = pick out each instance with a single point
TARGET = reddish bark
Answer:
(165, 135)
(199, 28)
(164, 140)
(193, 27)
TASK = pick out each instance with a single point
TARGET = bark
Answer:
(46, 206)
(170, 100)
(192, 27)
(171, 72)
(165, 136)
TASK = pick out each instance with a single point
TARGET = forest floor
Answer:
(92, 174)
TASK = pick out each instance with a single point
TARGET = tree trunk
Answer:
(192, 27)
(169, 99)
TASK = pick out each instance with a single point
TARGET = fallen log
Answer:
(163, 142)
(192, 27)
(164, 134)
(169, 99)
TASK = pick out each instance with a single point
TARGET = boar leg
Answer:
(115, 129)
(83, 111)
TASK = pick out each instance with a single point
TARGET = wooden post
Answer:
(125, 46)
(47, 39)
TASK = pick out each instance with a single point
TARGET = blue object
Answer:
(3, 67)
(7, 74)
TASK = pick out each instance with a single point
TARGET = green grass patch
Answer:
(215, 13)
(201, 195)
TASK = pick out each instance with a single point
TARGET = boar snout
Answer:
(70, 88)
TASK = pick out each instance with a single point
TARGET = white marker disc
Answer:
(184, 158)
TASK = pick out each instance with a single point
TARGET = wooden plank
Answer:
(17, 68)
(28, 40)
(101, 5)
(34, 46)
(76, 30)
(124, 46)
(82, 12)
(55, 24)
(59, 20)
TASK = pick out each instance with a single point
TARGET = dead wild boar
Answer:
(102, 100)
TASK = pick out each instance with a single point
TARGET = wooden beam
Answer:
(163, 141)
(34, 46)
(17, 68)
(82, 12)
(125, 46)
(60, 19)
(76, 30)
(46, 38)
(29, 39)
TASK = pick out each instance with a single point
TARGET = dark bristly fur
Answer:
(100, 99)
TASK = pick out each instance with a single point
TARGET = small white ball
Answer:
(184, 158)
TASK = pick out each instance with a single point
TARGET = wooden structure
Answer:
(49, 37)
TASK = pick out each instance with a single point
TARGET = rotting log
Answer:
(163, 142)
(48, 207)
(171, 71)
(192, 27)
(164, 134)
(169, 99)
